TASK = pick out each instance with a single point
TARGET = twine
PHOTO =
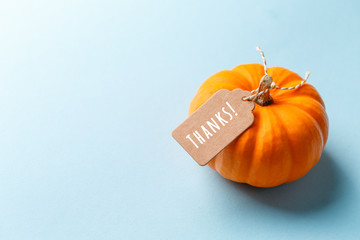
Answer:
(273, 84)
(263, 58)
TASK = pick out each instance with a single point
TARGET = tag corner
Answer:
(202, 164)
(173, 133)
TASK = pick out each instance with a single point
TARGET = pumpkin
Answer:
(287, 137)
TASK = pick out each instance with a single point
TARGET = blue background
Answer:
(91, 90)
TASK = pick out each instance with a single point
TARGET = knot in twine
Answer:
(255, 93)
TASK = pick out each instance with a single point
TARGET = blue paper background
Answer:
(91, 90)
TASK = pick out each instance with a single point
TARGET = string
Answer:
(273, 84)
(263, 58)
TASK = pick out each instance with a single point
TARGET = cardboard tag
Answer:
(215, 124)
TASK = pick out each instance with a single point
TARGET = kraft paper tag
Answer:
(215, 124)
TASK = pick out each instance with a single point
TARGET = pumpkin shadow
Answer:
(317, 189)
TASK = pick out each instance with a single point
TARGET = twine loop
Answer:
(255, 93)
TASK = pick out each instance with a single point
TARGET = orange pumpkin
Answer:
(287, 137)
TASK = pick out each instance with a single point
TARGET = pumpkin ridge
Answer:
(316, 156)
(285, 77)
(258, 148)
(268, 146)
(313, 120)
(288, 146)
(252, 75)
(254, 143)
(241, 78)
(305, 91)
(307, 99)
(230, 156)
(300, 154)
(313, 105)
(245, 145)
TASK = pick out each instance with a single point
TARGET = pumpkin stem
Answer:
(265, 98)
